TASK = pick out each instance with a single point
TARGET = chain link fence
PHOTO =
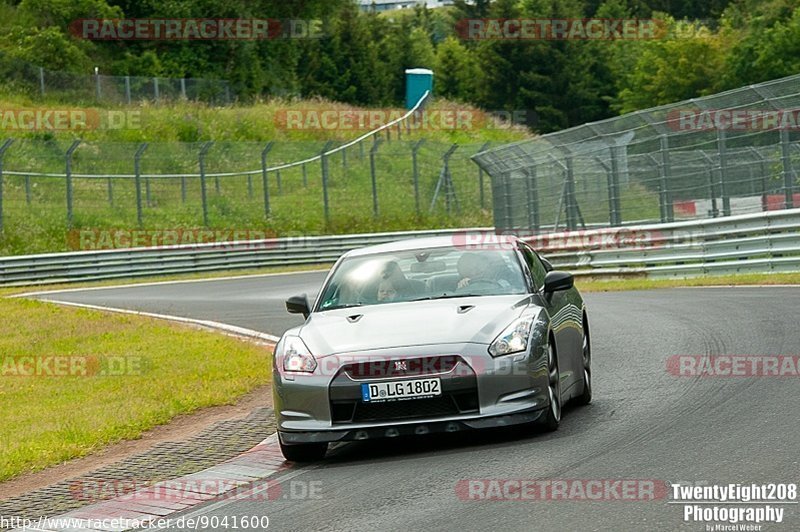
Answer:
(383, 180)
(730, 153)
(21, 77)
(385, 184)
(417, 176)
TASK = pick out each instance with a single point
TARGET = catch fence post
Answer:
(415, 167)
(203, 194)
(480, 174)
(372, 152)
(7, 144)
(324, 164)
(264, 177)
(68, 173)
(138, 179)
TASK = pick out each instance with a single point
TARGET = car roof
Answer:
(466, 240)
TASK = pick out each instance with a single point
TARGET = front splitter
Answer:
(411, 428)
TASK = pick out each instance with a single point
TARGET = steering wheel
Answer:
(486, 283)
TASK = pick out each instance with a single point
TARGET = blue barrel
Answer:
(418, 82)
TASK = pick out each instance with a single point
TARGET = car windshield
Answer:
(421, 274)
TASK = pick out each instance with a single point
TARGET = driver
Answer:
(473, 267)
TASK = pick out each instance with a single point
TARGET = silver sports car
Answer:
(430, 335)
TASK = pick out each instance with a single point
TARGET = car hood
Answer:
(458, 320)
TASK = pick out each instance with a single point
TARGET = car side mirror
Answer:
(298, 305)
(555, 281)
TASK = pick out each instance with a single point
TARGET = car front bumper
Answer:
(509, 390)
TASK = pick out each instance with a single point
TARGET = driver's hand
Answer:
(463, 282)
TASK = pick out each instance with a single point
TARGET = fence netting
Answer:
(36, 82)
(53, 187)
(729, 153)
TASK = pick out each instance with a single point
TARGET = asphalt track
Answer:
(644, 423)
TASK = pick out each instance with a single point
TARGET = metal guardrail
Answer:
(55, 268)
(761, 242)
(752, 243)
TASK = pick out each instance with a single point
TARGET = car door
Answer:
(563, 315)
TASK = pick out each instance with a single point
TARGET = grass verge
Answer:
(113, 378)
(595, 285)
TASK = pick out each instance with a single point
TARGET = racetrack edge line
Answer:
(157, 283)
(215, 325)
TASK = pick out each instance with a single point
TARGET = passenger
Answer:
(386, 291)
(393, 285)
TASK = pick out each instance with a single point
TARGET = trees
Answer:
(458, 76)
(676, 67)
(765, 44)
(360, 57)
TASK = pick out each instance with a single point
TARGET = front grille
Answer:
(444, 405)
(409, 409)
(458, 380)
(401, 367)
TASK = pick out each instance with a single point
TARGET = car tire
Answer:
(586, 397)
(551, 421)
(304, 452)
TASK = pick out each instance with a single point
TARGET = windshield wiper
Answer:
(446, 296)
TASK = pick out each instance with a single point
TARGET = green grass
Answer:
(170, 370)
(35, 210)
(639, 283)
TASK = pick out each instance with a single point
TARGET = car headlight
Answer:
(514, 339)
(296, 356)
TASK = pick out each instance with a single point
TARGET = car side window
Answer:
(535, 265)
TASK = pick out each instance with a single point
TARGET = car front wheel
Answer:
(586, 397)
(552, 418)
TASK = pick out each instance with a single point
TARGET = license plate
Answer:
(397, 390)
